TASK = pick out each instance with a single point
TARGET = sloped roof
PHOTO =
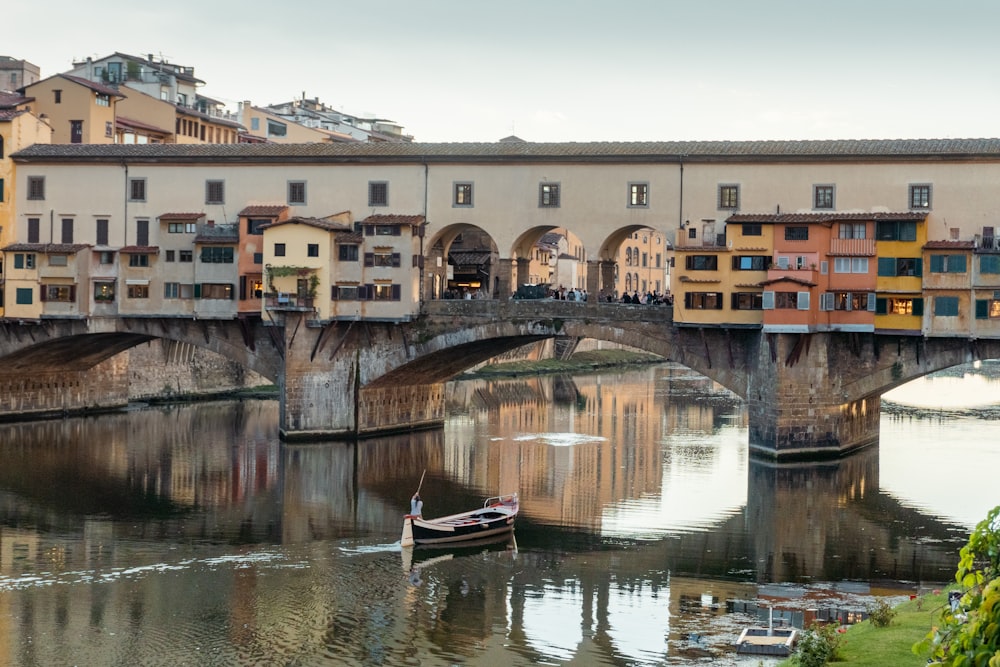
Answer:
(319, 223)
(181, 216)
(862, 150)
(788, 279)
(263, 210)
(57, 248)
(950, 245)
(805, 218)
(393, 219)
(96, 87)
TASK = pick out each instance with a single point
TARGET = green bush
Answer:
(880, 613)
(817, 646)
(969, 634)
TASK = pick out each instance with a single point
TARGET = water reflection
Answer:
(189, 534)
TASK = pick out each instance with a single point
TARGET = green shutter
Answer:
(887, 266)
(937, 263)
(881, 306)
(956, 264)
(918, 307)
(197, 290)
(982, 309)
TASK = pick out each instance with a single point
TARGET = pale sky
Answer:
(567, 70)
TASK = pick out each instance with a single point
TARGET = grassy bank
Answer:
(864, 645)
(581, 362)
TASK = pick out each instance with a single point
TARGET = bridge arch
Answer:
(475, 263)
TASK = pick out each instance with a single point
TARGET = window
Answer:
(107, 257)
(701, 262)
(137, 189)
(104, 291)
(296, 192)
(185, 255)
(463, 194)
(920, 196)
(23, 296)
(215, 192)
(383, 230)
(276, 129)
(899, 266)
(258, 258)
(138, 292)
(638, 195)
(703, 300)
(946, 306)
(255, 124)
(988, 309)
(102, 100)
(279, 249)
(893, 230)
(751, 263)
(384, 292)
(382, 258)
(797, 233)
(142, 232)
(899, 306)
(1, 180)
(823, 196)
(63, 293)
(34, 224)
(57, 96)
(170, 256)
(378, 193)
(344, 293)
(36, 188)
(850, 265)
(312, 250)
(851, 230)
(216, 255)
(102, 232)
(752, 229)
(989, 264)
(255, 226)
(58, 260)
(348, 253)
(181, 227)
(948, 264)
(24, 260)
(138, 260)
(548, 195)
(848, 301)
(109, 129)
(215, 291)
(786, 300)
(747, 301)
(171, 290)
(729, 196)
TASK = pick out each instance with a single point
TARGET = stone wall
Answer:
(164, 369)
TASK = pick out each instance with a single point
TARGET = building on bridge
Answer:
(868, 235)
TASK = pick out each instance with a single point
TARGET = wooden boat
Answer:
(495, 517)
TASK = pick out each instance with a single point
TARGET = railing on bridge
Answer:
(548, 308)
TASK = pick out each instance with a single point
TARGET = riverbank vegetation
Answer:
(959, 626)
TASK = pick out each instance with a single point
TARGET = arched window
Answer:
(628, 282)
(628, 256)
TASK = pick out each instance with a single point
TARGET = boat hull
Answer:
(491, 520)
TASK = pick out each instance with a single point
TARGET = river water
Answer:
(188, 535)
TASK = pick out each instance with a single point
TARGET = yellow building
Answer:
(18, 128)
(899, 304)
(79, 111)
(644, 263)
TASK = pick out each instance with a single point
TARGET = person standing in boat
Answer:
(416, 505)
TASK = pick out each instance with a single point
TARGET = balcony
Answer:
(987, 244)
(288, 301)
(212, 233)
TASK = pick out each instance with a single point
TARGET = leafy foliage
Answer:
(817, 646)
(969, 634)
(881, 613)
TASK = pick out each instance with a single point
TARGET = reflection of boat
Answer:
(422, 556)
(495, 517)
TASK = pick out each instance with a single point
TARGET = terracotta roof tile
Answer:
(393, 219)
(820, 218)
(636, 151)
(788, 279)
(312, 222)
(58, 248)
(950, 245)
(96, 87)
(181, 216)
(350, 237)
(263, 210)
(140, 249)
(122, 121)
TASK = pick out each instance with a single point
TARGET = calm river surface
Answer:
(188, 535)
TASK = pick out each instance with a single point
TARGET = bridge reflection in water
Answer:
(642, 514)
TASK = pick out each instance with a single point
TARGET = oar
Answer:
(421, 480)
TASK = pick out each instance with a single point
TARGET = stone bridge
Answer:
(808, 395)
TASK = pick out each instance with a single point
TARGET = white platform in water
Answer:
(765, 641)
